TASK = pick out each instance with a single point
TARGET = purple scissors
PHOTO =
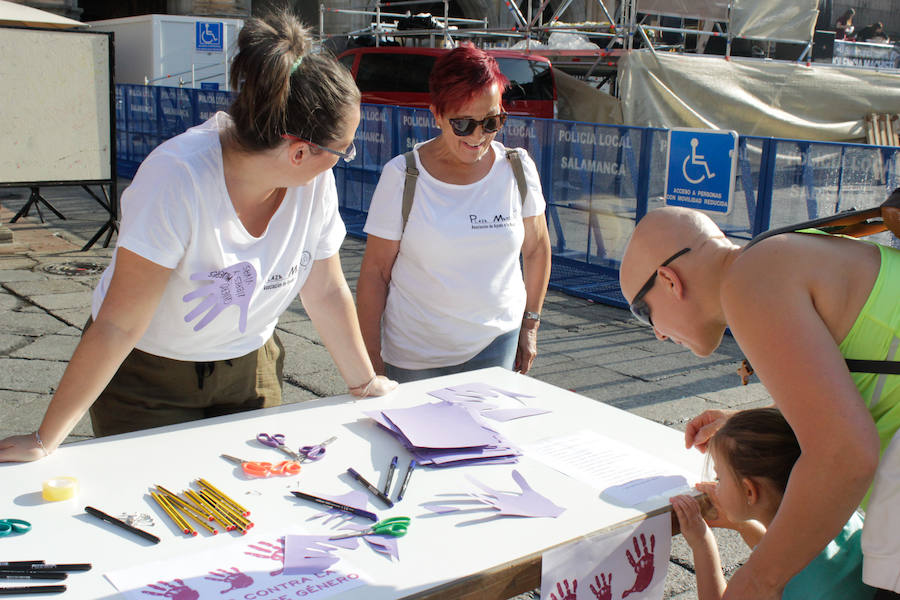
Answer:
(277, 441)
(315, 452)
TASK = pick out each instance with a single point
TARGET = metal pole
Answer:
(322, 22)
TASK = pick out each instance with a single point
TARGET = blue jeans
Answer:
(499, 353)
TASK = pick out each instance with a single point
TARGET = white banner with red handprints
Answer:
(247, 569)
(628, 562)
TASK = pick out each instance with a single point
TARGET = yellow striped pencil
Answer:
(222, 519)
(224, 496)
(177, 519)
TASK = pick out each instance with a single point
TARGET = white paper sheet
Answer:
(623, 474)
(629, 562)
(248, 568)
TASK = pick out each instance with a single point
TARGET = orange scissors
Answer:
(265, 469)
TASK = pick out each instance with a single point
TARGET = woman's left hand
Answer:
(527, 349)
(377, 386)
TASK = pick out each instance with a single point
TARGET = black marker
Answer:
(326, 502)
(32, 589)
(110, 519)
(31, 575)
(22, 566)
(409, 470)
(378, 493)
(390, 476)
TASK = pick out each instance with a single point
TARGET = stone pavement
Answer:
(594, 350)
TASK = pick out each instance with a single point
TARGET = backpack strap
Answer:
(515, 161)
(409, 187)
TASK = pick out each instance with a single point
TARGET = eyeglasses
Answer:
(639, 307)
(348, 154)
(465, 126)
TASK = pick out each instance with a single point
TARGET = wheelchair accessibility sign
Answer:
(700, 169)
(208, 36)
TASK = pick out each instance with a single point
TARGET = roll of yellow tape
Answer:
(59, 488)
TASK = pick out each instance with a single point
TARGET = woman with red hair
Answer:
(441, 289)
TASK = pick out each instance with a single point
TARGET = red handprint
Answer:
(275, 552)
(235, 578)
(178, 591)
(603, 591)
(567, 594)
(643, 567)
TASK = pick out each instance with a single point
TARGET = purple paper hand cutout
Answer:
(232, 285)
(643, 566)
(475, 392)
(175, 591)
(233, 577)
(527, 504)
(603, 591)
(567, 594)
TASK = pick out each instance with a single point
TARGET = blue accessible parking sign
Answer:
(700, 169)
(208, 36)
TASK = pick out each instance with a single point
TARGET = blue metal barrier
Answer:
(598, 180)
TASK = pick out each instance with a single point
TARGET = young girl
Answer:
(753, 454)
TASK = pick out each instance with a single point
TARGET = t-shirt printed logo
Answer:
(277, 280)
(232, 285)
(496, 221)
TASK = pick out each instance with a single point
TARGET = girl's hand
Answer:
(20, 448)
(703, 427)
(717, 517)
(693, 527)
(379, 385)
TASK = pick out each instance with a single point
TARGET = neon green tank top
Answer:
(876, 336)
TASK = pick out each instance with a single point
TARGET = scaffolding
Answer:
(632, 24)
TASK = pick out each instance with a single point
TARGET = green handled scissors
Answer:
(395, 526)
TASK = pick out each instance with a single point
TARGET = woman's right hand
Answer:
(20, 448)
(702, 427)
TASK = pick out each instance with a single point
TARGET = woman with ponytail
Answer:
(221, 228)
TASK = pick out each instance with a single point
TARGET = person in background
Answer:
(221, 228)
(873, 33)
(843, 27)
(440, 289)
(798, 305)
(754, 453)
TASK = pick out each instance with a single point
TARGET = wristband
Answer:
(40, 443)
(364, 386)
(533, 316)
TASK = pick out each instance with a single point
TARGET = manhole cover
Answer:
(74, 268)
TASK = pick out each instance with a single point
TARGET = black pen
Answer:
(378, 493)
(21, 563)
(326, 502)
(390, 476)
(409, 470)
(46, 567)
(110, 519)
(31, 575)
(32, 589)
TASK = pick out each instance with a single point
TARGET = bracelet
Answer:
(532, 316)
(40, 443)
(365, 387)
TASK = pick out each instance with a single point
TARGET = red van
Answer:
(399, 76)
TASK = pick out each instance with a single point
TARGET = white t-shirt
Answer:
(178, 214)
(456, 283)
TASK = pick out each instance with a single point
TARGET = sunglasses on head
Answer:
(348, 154)
(464, 126)
(639, 307)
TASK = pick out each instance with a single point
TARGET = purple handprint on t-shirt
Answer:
(232, 285)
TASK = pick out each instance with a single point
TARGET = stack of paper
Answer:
(446, 434)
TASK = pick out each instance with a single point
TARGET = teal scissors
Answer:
(395, 526)
(10, 526)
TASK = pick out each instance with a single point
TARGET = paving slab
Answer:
(25, 322)
(24, 375)
(46, 286)
(23, 412)
(62, 301)
(49, 347)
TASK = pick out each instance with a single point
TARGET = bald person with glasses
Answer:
(798, 304)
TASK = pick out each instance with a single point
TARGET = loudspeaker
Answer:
(823, 45)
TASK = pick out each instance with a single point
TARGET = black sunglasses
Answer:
(639, 308)
(465, 126)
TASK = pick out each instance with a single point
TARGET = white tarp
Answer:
(774, 19)
(580, 101)
(752, 96)
(12, 13)
(716, 10)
